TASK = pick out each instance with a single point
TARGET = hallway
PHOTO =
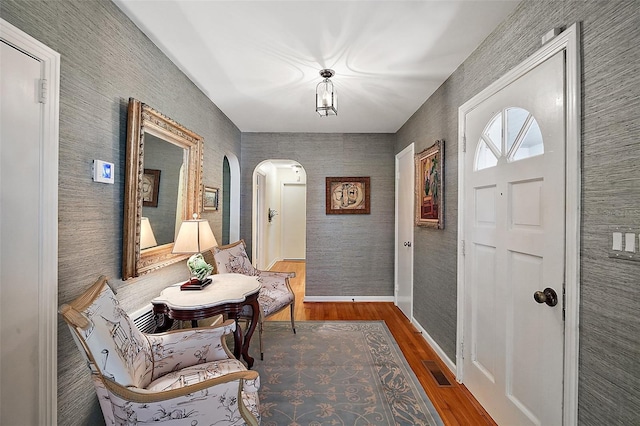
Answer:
(454, 403)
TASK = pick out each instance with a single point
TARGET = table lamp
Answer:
(194, 237)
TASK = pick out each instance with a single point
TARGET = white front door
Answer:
(404, 230)
(514, 245)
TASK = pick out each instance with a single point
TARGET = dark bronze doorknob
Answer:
(548, 296)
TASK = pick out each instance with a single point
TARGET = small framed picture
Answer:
(348, 195)
(210, 198)
(150, 187)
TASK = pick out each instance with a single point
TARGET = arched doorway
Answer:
(279, 206)
(230, 199)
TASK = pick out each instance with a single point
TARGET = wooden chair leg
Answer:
(260, 329)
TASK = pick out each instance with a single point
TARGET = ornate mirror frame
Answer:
(141, 120)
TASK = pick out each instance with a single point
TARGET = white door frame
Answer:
(568, 41)
(409, 150)
(48, 256)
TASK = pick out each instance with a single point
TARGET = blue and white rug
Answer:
(337, 373)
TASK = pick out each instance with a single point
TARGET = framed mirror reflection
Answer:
(163, 187)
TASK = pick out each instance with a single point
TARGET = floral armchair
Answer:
(182, 377)
(275, 292)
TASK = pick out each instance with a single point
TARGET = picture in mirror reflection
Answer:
(168, 160)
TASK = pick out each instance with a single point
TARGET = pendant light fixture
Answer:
(326, 96)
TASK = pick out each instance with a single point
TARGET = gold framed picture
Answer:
(210, 198)
(348, 195)
(429, 186)
(150, 187)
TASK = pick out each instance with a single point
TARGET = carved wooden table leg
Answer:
(255, 308)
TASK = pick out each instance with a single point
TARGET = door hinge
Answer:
(463, 248)
(564, 302)
(43, 91)
(464, 143)
(462, 350)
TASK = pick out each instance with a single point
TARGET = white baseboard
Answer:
(270, 265)
(348, 299)
(274, 261)
(436, 348)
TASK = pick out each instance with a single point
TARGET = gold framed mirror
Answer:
(163, 187)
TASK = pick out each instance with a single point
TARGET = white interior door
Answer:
(514, 221)
(404, 230)
(294, 220)
(28, 229)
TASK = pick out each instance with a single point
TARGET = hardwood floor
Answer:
(455, 404)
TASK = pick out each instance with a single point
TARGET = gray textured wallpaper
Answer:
(609, 382)
(347, 255)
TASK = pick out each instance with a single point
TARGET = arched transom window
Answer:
(512, 134)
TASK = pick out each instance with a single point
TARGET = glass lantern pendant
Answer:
(326, 96)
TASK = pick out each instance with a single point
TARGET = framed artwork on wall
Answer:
(348, 195)
(210, 198)
(429, 186)
(150, 187)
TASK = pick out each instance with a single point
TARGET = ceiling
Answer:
(259, 61)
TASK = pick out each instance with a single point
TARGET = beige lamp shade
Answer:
(194, 236)
(147, 239)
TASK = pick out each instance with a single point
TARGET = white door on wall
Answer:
(404, 230)
(28, 229)
(294, 221)
(514, 245)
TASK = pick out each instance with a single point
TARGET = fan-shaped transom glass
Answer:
(513, 133)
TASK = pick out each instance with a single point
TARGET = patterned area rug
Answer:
(337, 373)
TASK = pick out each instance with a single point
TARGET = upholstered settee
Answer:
(275, 291)
(182, 377)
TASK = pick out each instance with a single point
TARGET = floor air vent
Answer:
(436, 373)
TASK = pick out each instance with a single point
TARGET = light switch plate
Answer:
(624, 243)
(617, 241)
(630, 242)
(103, 171)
